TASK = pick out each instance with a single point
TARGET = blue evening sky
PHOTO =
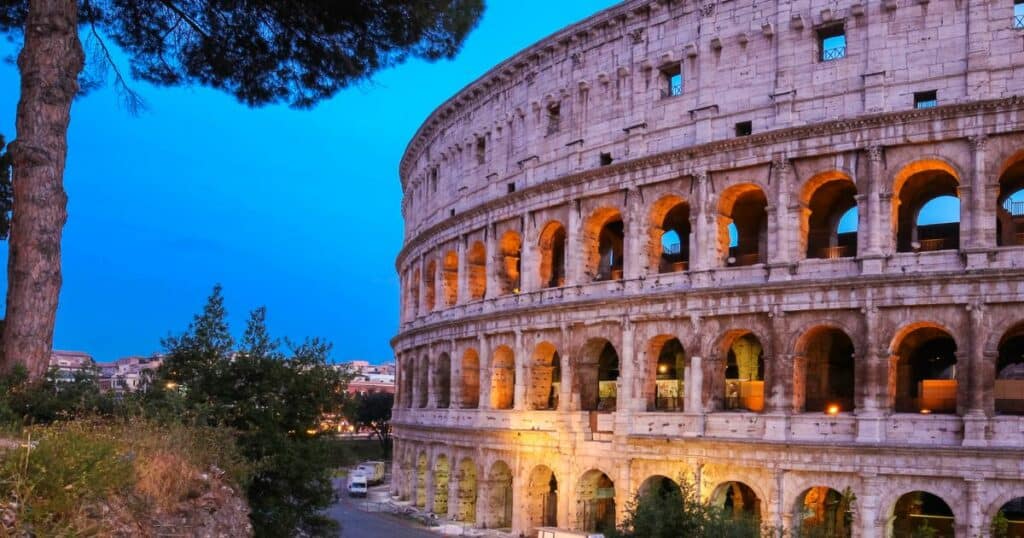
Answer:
(295, 210)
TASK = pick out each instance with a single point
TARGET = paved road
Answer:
(356, 523)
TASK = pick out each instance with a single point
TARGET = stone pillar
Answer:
(975, 524)
(574, 259)
(704, 246)
(453, 487)
(428, 506)
(985, 194)
(462, 285)
(625, 395)
(455, 377)
(417, 364)
(492, 270)
(522, 379)
(779, 382)
(566, 402)
(780, 517)
(781, 224)
(871, 521)
(485, 372)
(634, 222)
(694, 383)
(974, 415)
(529, 261)
(871, 382)
(875, 238)
(431, 377)
(483, 499)
(421, 308)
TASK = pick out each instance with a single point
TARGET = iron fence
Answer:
(1018, 21)
(833, 53)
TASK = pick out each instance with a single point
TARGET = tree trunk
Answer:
(49, 63)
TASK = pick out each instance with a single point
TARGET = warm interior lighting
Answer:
(832, 409)
(171, 385)
(926, 411)
(662, 369)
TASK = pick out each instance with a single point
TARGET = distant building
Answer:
(128, 374)
(370, 377)
(69, 363)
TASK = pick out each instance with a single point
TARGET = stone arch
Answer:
(824, 370)
(603, 241)
(821, 512)
(510, 251)
(1010, 202)
(736, 376)
(430, 286)
(466, 491)
(657, 484)
(503, 378)
(552, 255)
(744, 206)
(422, 468)
(470, 393)
(1011, 505)
(1009, 372)
(925, 369)
(668, 243)
(596, 375)
(422, 381)
(541, 499)
(498, 510)
(911, 510)
(914, 185)
(739, 500)
(595, 502)
(442, 474)
(443, 381)
(665, 386)
(825, 199)
(476, 263)
(545, 377)
(450, 278)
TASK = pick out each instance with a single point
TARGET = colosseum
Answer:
(774, 248)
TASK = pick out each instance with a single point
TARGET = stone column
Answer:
(781, 224)
(521, 374)
(492, 270)
(978, 384)
(872, 522)
(574, 246)
(453, 487)
(779, 382)
(421, 308)
(428, 482)
(985, 191)
(529, 260)
(485, 372)
(703, 246)
(634, 221)
(565, 393)
(431, 377)
(462, 285)
(455, 377)
(624, 387)
(483, 499)
(975, 524)
(417, 363)
(872, 236)
(871, 382)
(781, 518)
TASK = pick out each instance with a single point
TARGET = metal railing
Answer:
(1018, 21)
(670, 249)
(1014, 208)
(834, 53)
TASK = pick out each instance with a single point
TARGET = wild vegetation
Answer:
(670, 512)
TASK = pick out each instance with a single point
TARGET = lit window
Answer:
(832, 42)
(929, 99)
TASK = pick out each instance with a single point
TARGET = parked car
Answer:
(357, 485)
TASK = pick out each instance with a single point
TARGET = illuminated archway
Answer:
(829, 222)
(510, 248)
(604, 236)
(925, 370)
(669, 235)
(477, 264)
(1009, 385)
(503, 378)
(545, 377)
(541, 499)
(919, 510)
(822, 512)
(552, 255)
(744, 207)
(595, 502)
(824, 371)
(920, 228)
(470, 379)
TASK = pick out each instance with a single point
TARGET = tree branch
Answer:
(185, 17)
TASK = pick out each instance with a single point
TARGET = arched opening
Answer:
(669, 244)
(414, 293)
(926, 371)
(824, 371)
(1009, 520)
(422, 381)
(407, 381)
(443, 381)
(421, 480)
(545, 377)
(499, 497)
(927, 209)
(920, 513)
(604, 233)
(477, 262)
(662, 486)
(597, 375)
(831, 216)
(745, 207)
(739, 502)
(503, 378)
(430, 286)
(465, 509)
(442, 471)
(542, 499)
(669, 376)
(1009, 389)
(450, 281)
(823, 512)
(470, 379)
(1010, 209)
(596, 502)
(744, 374)
(552, 255)
(511, 247)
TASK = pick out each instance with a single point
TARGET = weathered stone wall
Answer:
(827, 136)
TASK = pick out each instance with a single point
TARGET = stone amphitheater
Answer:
(773, 248)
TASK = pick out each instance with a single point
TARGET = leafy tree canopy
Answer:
(270, 51)
(373, 412)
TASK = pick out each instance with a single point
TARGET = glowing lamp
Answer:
(926, 411)
(662, 369)
(832, 409)
(171, 385)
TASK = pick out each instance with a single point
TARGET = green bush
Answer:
(678, 511)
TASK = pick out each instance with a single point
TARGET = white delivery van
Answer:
(357, 485)
(374, 471)
(551, 532)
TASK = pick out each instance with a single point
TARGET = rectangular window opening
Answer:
(481, 150)
(451, 212)
(832, 43)
(1018, 14)
(554, 118)
(511, 188)
(673, 81)
(606, 159)
(928, 99)
(433, 179)
(744, 128)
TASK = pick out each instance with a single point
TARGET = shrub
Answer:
(673, 512)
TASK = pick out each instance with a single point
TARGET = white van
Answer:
(357, 485)
(374, 471)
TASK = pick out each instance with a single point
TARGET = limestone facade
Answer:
(609, 276)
